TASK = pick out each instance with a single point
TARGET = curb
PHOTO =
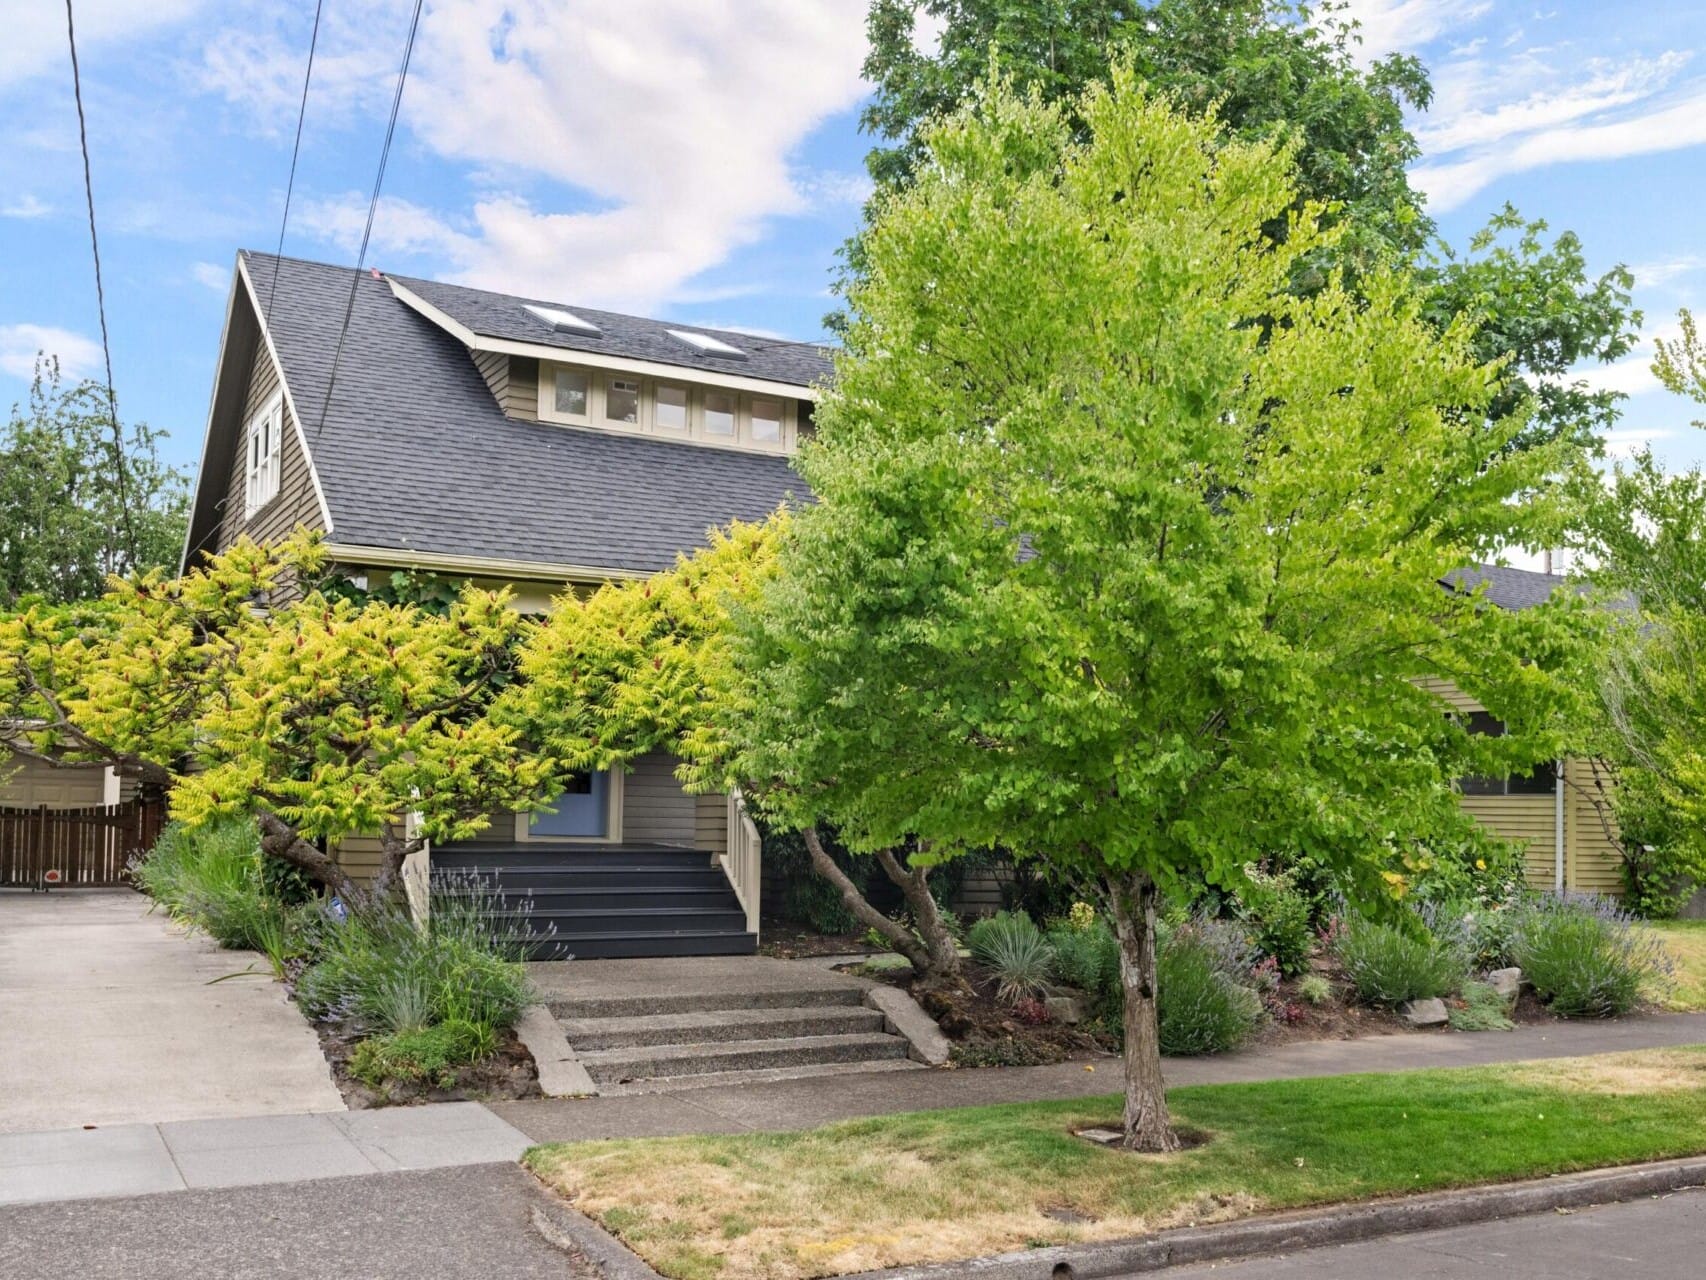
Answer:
(594, 1250)
(1309, 1229)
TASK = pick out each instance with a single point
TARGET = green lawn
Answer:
(1686, 941)
(941, 1185)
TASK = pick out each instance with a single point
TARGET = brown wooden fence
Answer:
(88, 846)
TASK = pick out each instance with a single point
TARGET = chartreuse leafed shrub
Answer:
(211, 877)
(1314, 989)
(1015, 951)
(380, 970)
(1584, 956)
(1388, 965)
(1203, 1003)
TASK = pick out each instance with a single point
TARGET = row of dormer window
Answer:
(672, 410)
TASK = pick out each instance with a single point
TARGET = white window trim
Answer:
(261, 476)
(595, 419)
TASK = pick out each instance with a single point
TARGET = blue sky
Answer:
(698, 161)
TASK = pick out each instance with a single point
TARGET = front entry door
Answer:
(583, 810)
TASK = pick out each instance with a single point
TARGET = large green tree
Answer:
(67, 519)
(1280, 69)
(1128, 557)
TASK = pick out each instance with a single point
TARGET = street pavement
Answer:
(444, 1224)
(1658, 1239)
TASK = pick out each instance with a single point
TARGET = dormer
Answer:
(574, 367)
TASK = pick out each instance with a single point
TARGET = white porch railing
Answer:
(743, 863)
(417, 873)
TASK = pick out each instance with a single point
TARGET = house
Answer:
(546, 447)
(1559, 813)
(515, 441)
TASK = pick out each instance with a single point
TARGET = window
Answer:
(706, 343)
(563, 321)
(622, 401)
(767, 422)
(260, 476)
(720, 414)
(670, 408)
(1541, 781)
(572, 393)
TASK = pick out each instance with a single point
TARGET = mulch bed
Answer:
(787, 941)
(987, 1032)
(508, 1073)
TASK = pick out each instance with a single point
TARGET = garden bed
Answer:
(502, 1076)
(947, 1185)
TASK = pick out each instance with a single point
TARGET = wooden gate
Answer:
(87, 846)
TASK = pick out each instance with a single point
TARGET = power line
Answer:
(367, 232)
(100, 291)
(295, 150)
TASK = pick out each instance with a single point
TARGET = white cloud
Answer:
(1681, 123)
(35, 41)
(20, 344)
(1403, 26)
(1663, 271)
(26, 206)
(211, 275)
(617, 148)
(1633, 375)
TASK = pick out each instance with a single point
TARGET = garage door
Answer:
(32, 784)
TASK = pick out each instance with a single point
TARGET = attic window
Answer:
(706, 343)
(562, 321)
(261, 463)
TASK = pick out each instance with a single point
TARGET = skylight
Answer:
(706, 343)
(562, 321)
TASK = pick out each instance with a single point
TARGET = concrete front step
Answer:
(620, 946)
(704, 1000)
(718, 1025)
(619, 1066)
(711, 1079)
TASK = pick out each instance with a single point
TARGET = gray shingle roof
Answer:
(1508, 588)
(416, 455)
(498, 315)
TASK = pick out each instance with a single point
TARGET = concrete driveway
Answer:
(107, 1017)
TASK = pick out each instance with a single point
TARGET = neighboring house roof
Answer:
(415, 453)
(1506, 587)
(498, 315)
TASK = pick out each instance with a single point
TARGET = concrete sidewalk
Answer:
(110, 1015)
(801, 1104)
(138, 1159)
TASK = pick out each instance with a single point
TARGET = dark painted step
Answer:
(608, 897)
(613, 1066)
(629, 946)
(636, 920)
(554, 875)
(557, 856)
(719, 1025)
(703, 1001)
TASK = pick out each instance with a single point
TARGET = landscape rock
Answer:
(1507, 982)
(1425, 1013)
(1067, 1010)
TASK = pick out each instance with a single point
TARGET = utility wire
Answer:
(367, 232)
(100, 293)
(295, 150)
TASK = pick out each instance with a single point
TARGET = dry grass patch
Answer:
(1686, 942)
(944, 1185)
(1638, 1072)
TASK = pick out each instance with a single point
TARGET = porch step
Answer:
(619, 901)
(719, 1025)
(711, 1079)
(619, 1066)
(663, 1002)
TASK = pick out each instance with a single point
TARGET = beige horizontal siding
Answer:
(1595, 863)
(361, 857)
(655, 810)
(711, 822)
(1530, 821)
(295, 504)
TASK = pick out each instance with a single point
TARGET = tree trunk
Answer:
(899, 936)
(1147, 1125)
(396, 849)
(280, 840)
(914, 885)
